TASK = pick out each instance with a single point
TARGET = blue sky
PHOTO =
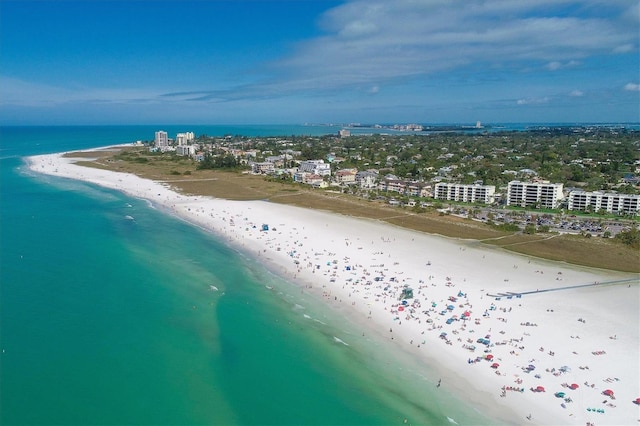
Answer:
(319, 61)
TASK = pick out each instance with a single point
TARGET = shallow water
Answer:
(107, 316)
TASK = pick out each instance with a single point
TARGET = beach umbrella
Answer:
(531, 367)
(608, 392)
(574, 386)
(540, 389)
(489, 357)
(451, 307)
(467, 314)
(560, 394)
(495, 365)
(400, 308)
(637, 401)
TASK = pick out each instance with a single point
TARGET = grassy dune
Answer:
(182, 175)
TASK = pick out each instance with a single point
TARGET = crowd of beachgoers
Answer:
(546, 342)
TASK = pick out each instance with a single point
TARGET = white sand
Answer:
(362, 266)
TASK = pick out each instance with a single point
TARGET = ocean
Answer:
(106, 319)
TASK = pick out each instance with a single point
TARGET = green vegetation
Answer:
(630, 237)
(223, 162)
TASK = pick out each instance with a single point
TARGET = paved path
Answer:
(546, 290)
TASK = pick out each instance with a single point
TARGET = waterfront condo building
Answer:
(162, 139)
(610, 202)
(316, 167)
(538, 195)
(466, 193)
(185, 138)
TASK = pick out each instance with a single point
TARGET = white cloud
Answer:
(632, 87)
(18, 92)
(377, 40)
(533, 101)
(624, 48)
(556, 65)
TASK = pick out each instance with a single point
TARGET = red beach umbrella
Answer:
(574, 386)
(467, 314)
(540, 389)
(637, 401)
(495, 365)
(489, 357)
(608, 392)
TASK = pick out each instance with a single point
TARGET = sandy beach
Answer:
(528, 340)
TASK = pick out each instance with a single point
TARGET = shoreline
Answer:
(360, 267)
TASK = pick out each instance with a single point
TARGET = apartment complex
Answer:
(610, 202)
(185, 138)
(161, 140)
(466, 193)
(528, 194)
(316, 167)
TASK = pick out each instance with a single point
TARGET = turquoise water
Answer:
(107, 320)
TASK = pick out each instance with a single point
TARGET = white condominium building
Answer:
(610, 202)
(186, 150)
(185, 138)
(161, 140)
(316, 167)
(539, 195)
(467, 193)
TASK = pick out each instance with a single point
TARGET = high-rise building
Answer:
(162, 139)
(184, 138)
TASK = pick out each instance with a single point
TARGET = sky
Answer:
(319, 61)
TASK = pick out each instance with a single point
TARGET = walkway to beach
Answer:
(521, 293)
